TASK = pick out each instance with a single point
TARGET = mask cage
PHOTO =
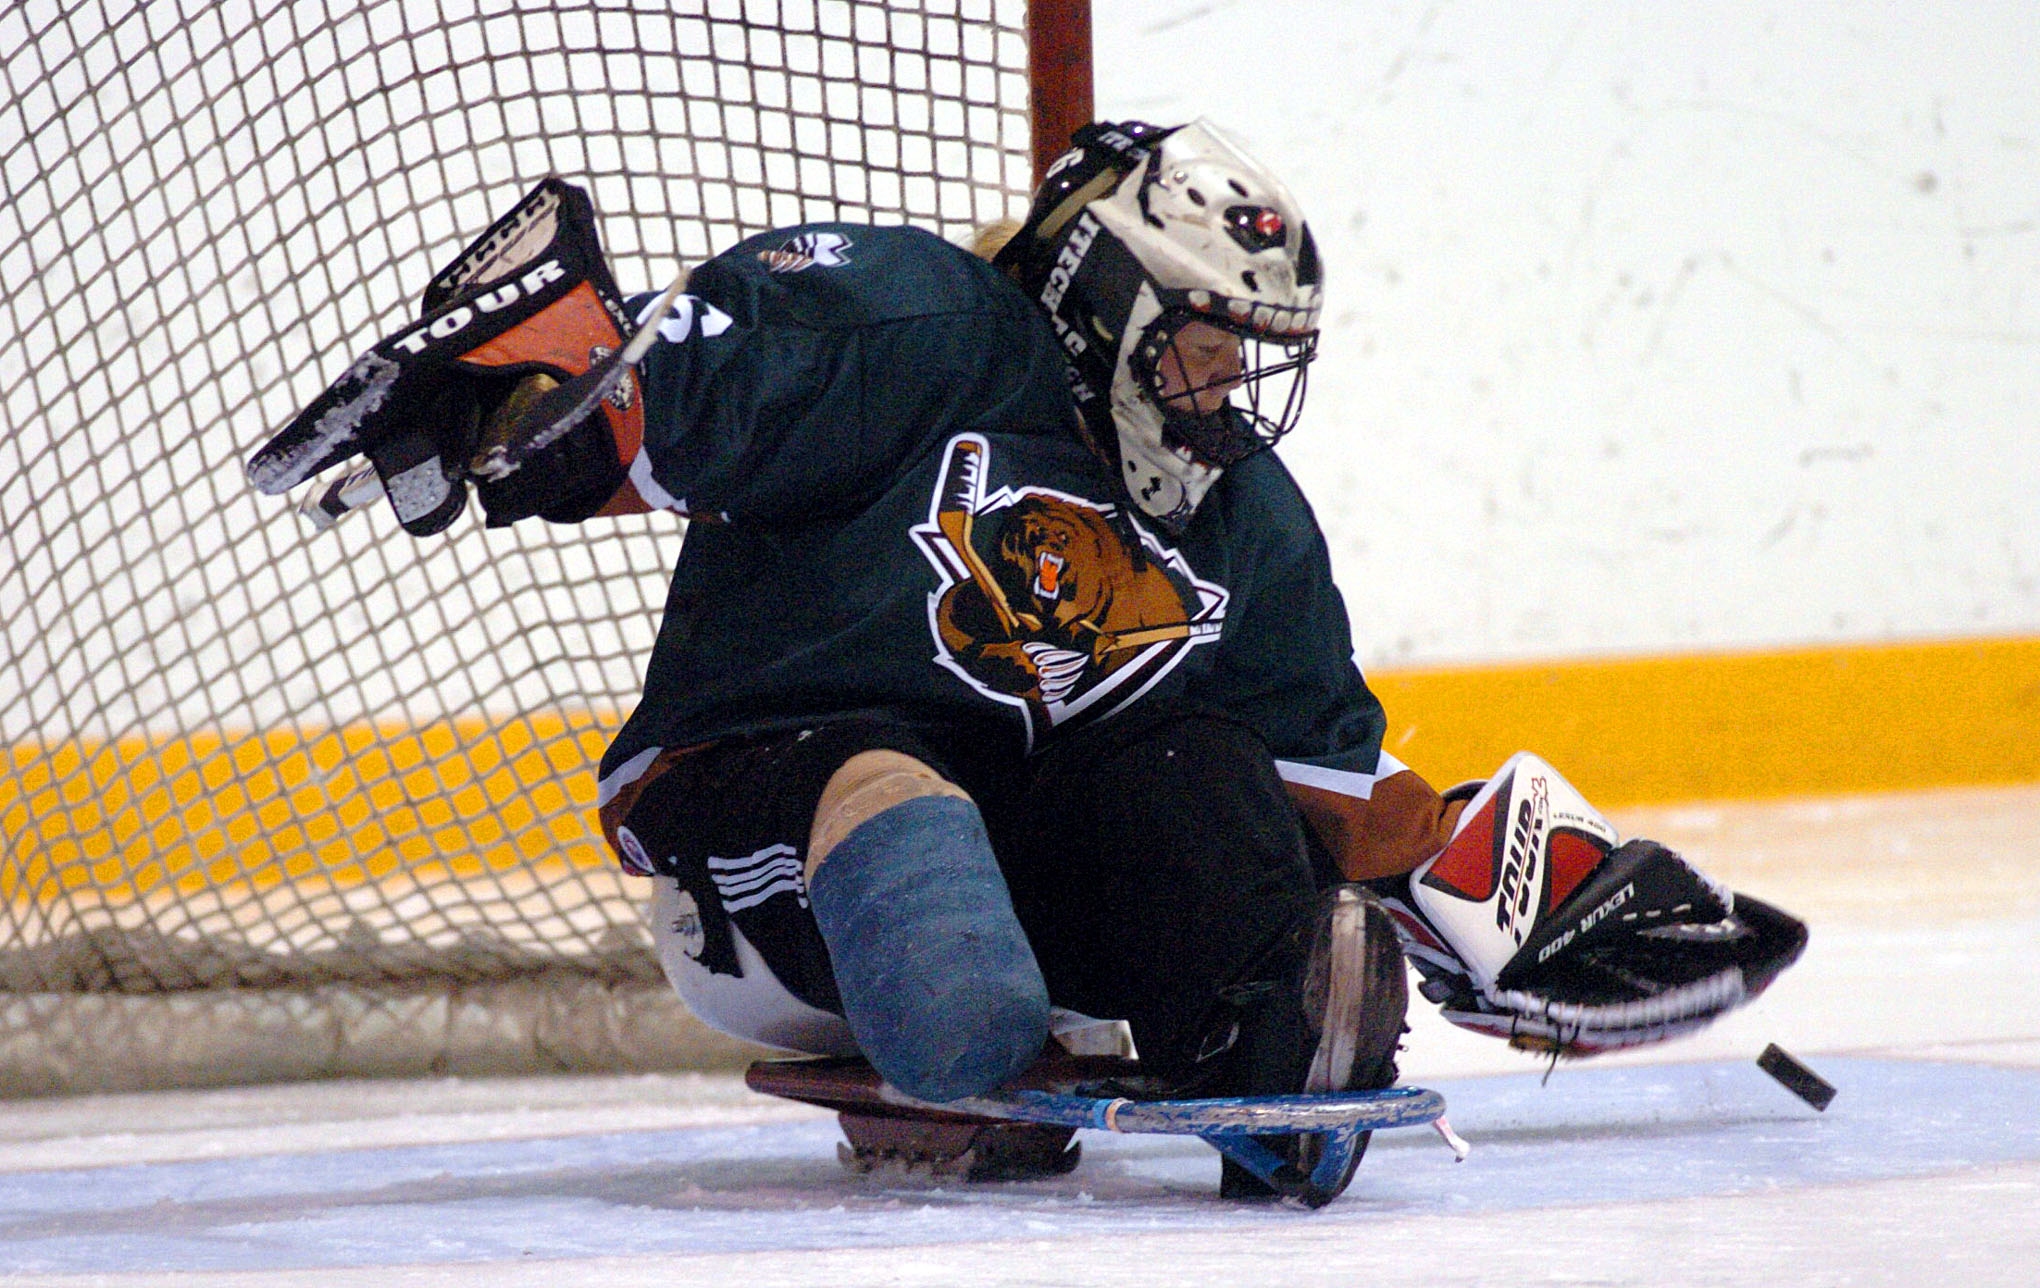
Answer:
(1264, 402)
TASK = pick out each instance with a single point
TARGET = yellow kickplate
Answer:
(1705, 726)
(137, 817)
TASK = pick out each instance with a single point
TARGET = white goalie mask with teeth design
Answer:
(1185, 287)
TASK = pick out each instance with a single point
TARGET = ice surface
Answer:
(1669, 1137)
(1683, 1164)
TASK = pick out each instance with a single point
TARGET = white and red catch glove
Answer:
(1534, 924)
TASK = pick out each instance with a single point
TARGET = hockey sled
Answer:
(1022, 1132)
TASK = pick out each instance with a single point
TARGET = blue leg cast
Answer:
(938, 983)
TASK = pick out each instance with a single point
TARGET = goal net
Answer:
(277, 803)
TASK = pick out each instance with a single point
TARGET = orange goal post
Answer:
(282, 803)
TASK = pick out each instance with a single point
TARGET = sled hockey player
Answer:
(1002, 681)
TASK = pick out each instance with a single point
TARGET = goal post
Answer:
(280, 803)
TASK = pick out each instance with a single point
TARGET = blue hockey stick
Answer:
(1215, 1116)
(1234, 1125)
(1238, 1127)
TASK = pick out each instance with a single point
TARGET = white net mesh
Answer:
(242, 758)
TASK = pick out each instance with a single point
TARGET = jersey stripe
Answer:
(1342, 781)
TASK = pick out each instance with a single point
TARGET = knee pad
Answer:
(868, 784)
(938, 983)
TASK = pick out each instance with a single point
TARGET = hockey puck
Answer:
(1796, 1077)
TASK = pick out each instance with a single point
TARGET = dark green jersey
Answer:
(895, 513)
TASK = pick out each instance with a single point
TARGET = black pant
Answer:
(1155, 860)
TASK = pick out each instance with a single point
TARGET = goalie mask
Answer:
(1185, 288)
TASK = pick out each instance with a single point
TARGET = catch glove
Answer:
(1535, 925)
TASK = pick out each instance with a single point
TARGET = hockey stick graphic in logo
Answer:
(962, 493)
(1115, 642)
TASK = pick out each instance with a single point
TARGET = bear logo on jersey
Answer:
(1053, 603)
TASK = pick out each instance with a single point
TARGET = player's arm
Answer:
(763, 392)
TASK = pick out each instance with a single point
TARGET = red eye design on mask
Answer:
(1255, 228)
